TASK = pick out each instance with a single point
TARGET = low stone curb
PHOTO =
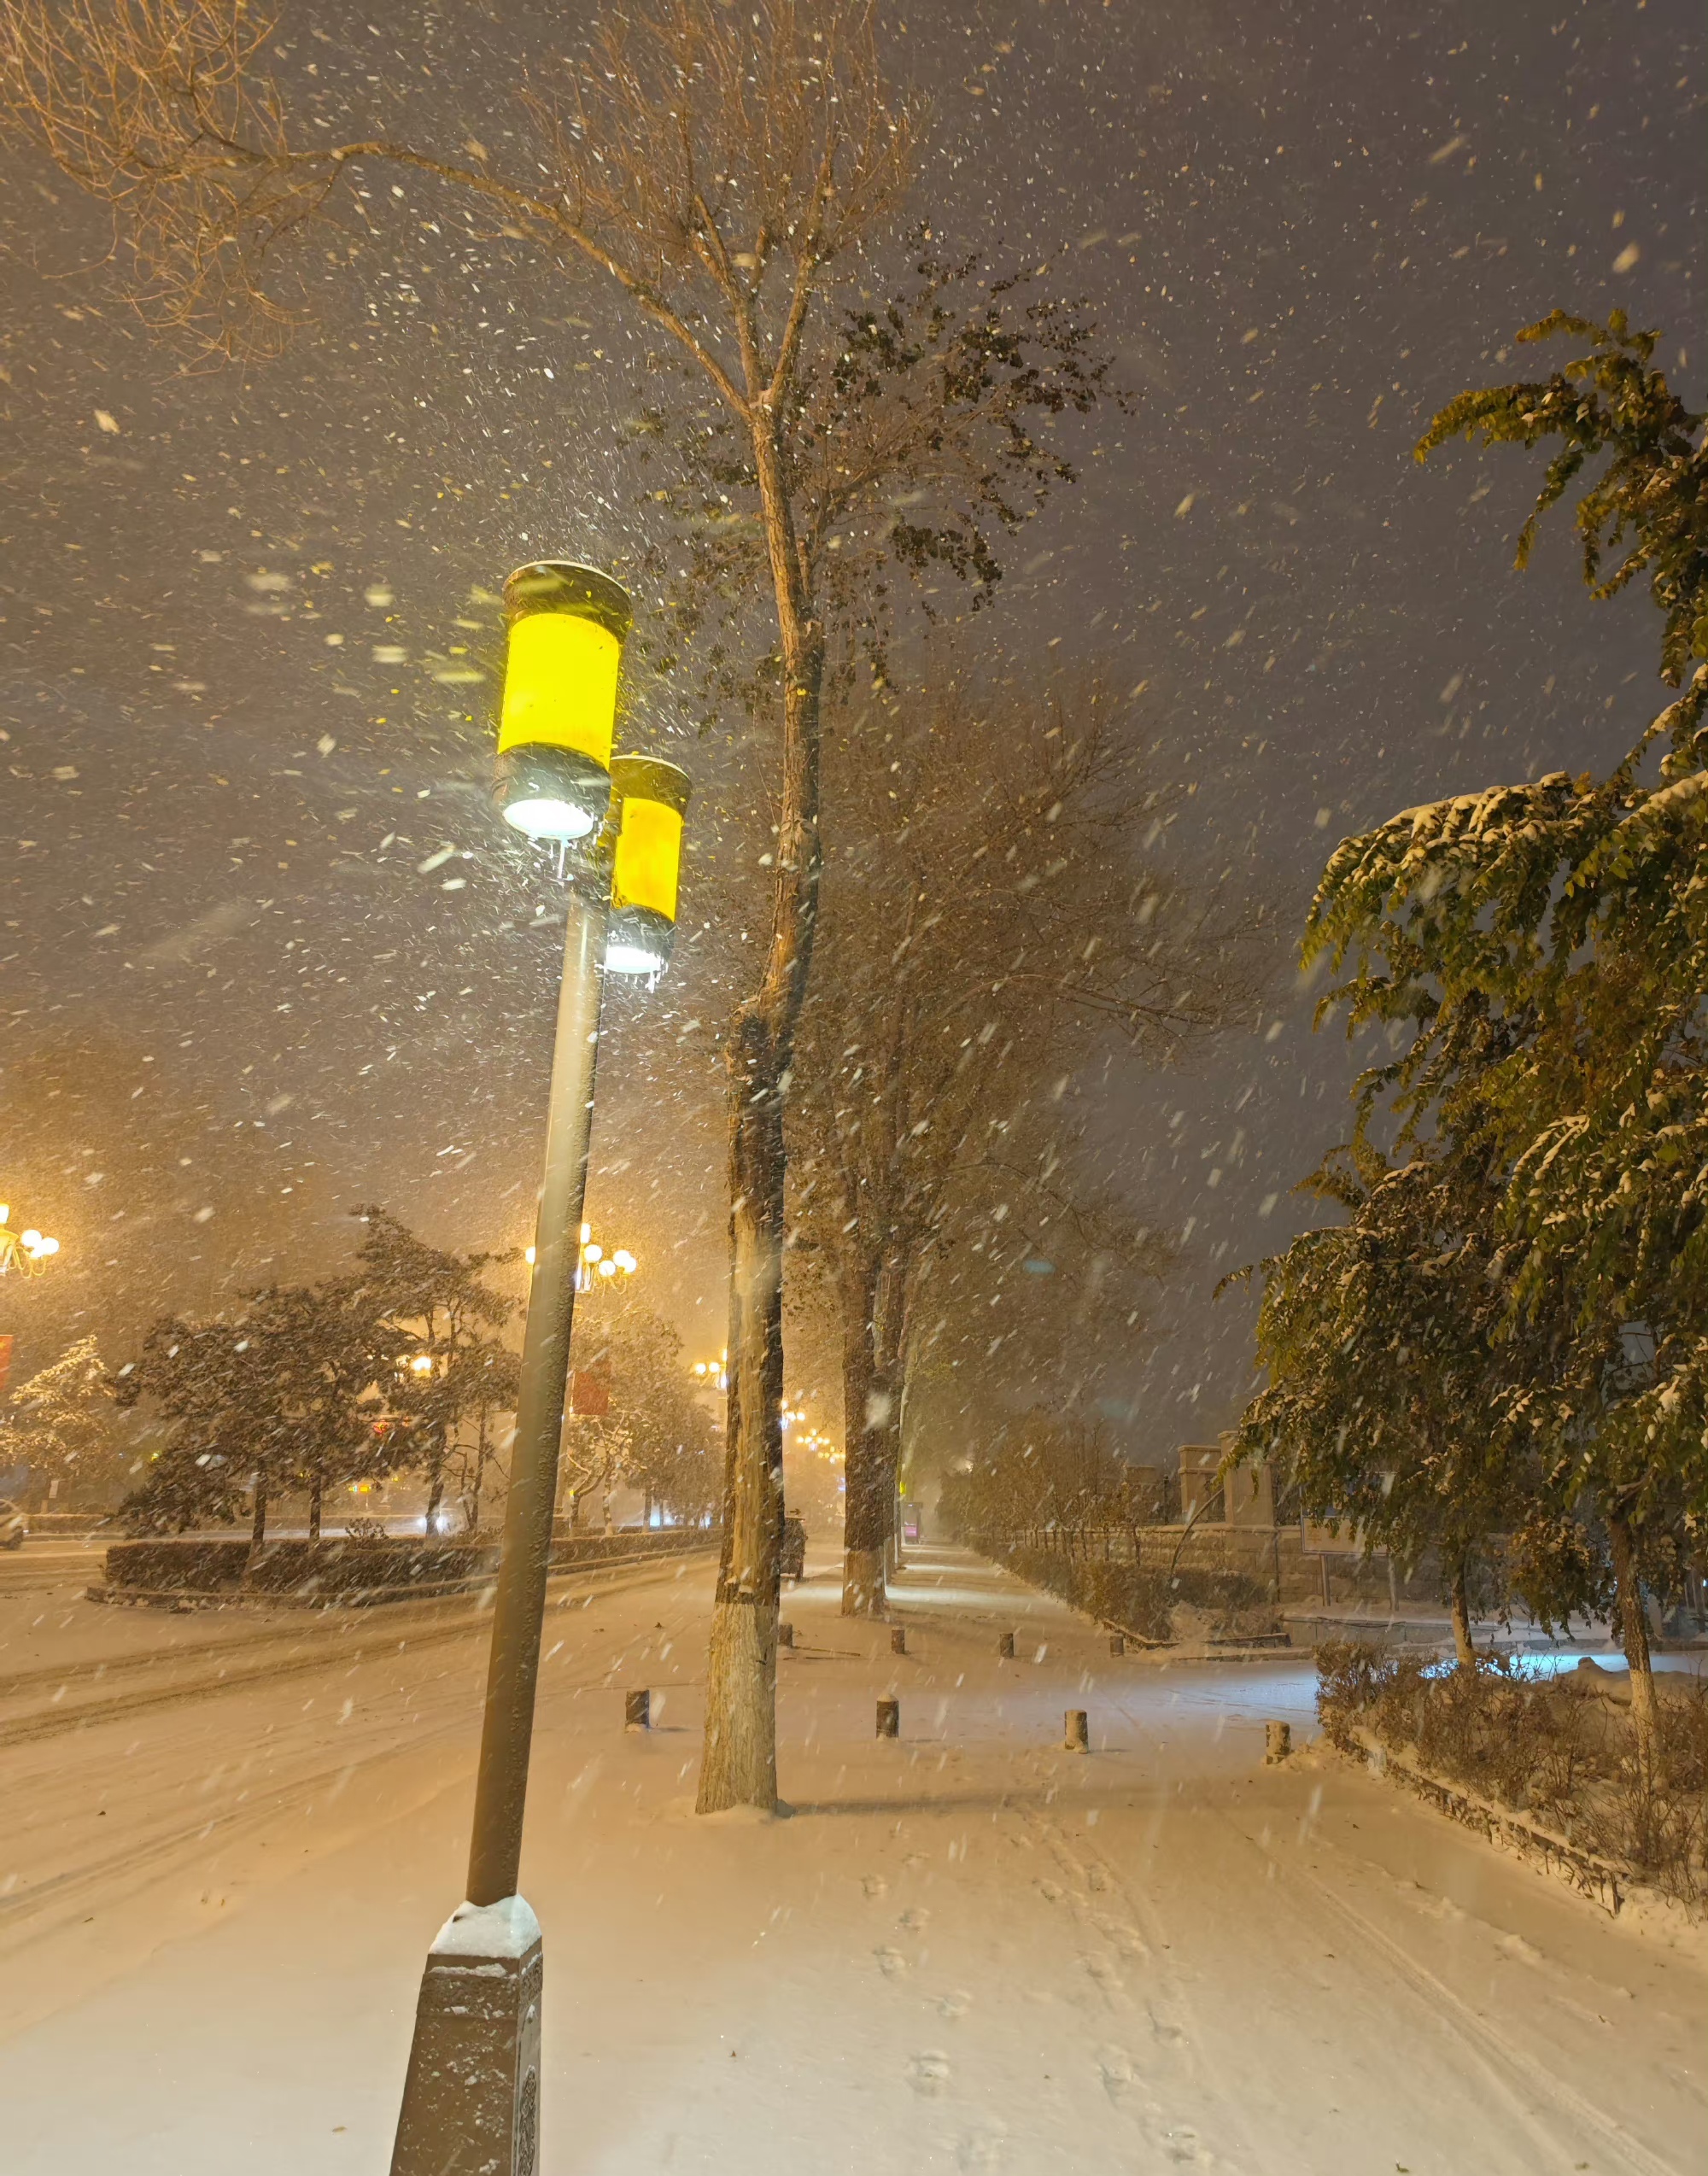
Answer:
(1597, 1879)
(191, 1598)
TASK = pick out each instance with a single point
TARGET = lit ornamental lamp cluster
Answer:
(557, 780)
(28, 1252)
(714, 1374)
(593, 1264)
(810, 1439)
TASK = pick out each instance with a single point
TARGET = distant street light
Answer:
(28, 1252)
(593, 1261)
(471, 2100)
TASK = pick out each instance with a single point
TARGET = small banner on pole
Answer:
(589, 1392)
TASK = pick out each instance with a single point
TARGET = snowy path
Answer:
(969, 1950)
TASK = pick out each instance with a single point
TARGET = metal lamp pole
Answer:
(471, 2098)
(495, 1850)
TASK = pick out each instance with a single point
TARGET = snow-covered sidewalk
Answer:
(966, 1949)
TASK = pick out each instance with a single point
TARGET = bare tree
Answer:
(734, 173)
(989, 918)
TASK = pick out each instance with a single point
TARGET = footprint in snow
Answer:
(1115, 2066)
(875, 1885)
(928, 2074)
(1103, 1972)
(1185, 2146)
(892, 1963)
(1096, 1878)
(914, 1918)
(1050, 1891)
(981, 2153)
(955, 2003)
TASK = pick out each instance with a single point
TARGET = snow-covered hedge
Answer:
(1144, 1599)
(1559, 1748)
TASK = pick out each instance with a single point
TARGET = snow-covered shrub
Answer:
(1557, 1747)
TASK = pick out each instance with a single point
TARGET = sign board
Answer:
(589, 1392)
(1323, 1541)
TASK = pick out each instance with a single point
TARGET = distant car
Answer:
(13, 1526)
(793, 1564)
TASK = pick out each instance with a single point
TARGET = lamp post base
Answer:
(472, 2099)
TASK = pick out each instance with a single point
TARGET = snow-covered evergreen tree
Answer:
(1547, 945)
(61, 1425)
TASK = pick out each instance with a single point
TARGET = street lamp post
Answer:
(472, 2097)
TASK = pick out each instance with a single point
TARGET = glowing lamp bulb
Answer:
(542, 816)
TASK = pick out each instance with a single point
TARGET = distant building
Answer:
(1246, 1498)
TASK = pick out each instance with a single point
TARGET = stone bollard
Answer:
(889, 1718)
(898, 1640)
(786, 1634)
(1005, 1646)
(1278, 1741)
(1076, 1736)
(1117, 1643)
(637, 1710)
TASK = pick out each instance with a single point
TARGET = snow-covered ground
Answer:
(965, 1951)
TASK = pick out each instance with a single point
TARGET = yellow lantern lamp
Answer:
(653, 798)
(567, 626)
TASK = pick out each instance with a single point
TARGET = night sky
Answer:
(267, 953)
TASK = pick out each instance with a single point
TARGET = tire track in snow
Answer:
(53, 1722)
(1520, 2078)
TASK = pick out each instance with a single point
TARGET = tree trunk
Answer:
(316, 1488)
(1634, 1637)
(864, 1519)
(436, 1487)
(1461, 1618)
(480, 1476)
(739, 1764)
(258, 1523)
(887, 1395)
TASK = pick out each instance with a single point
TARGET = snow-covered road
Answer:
(965, 1951)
